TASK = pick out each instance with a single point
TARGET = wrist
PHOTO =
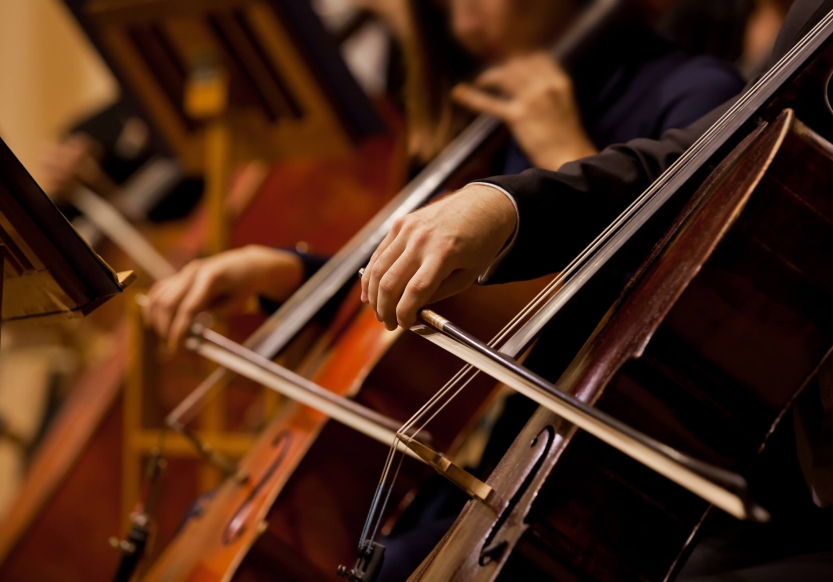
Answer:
(499, 207)
(281, 272)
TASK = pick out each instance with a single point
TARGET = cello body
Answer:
(725, 325)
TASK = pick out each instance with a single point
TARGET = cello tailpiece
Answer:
(368, 566)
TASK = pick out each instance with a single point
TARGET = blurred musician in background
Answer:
(100, 152)
(737, 31)
(105, 150)
(762, 27)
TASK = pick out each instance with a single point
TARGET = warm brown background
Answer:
(50, 76)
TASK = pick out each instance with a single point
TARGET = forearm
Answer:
(279, 273)
(304, 266)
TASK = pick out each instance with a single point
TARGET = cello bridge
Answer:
(474, 487)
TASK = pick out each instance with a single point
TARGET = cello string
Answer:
(403, 432)
(377, 494)
(414, 418)
(384, 505)
(467, 369)
(688, 157)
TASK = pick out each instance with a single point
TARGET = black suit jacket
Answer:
(561, 212)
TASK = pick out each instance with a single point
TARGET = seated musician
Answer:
(633, 84)
(522, 226)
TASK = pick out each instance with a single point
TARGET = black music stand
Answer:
(48, 269)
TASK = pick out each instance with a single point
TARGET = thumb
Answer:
(480, 101)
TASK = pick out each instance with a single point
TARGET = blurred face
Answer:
(497, 29)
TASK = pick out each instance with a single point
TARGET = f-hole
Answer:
(237, 524)
(493, 550)
(828, 92)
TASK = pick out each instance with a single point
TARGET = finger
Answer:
(151, 297)
(368, 269)
(392, 285)
(167, 302)
(420, 289)
(410, 305)
(380, 267)
(504, 80)
(165, 296)
(196, 301)
(480, 101)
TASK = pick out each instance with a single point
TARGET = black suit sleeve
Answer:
(561, 212)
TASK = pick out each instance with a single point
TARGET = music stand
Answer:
(289, 91)
(48, 269)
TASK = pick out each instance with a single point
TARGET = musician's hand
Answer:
(436, 252)
(535, 99)
(223, 284)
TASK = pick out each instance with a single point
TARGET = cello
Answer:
(724, 326)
